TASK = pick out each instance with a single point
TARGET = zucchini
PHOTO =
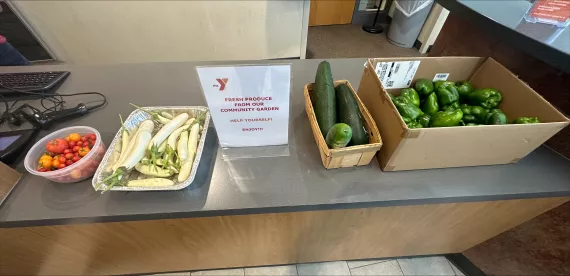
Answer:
(323, 98)
(349, 113)
(338, 136)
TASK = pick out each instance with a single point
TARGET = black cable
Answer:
(13, 104)
(53, 98)
(5, 102)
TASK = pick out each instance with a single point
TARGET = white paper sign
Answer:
(397, 74)
(249, 104)
(441, 76)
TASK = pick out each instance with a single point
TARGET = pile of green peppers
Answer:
(447, 104)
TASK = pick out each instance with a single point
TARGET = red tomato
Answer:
(67, 151)
(42, 169)
(92, 136)
(76, 158)
(79, 143)
(76, 148)
(72, 144)
(69, 156)
(84, 138)
(83, 151)
(62, 159)
(62, 165)
(68, 162)
(57, 145)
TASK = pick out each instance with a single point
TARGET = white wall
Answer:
(99, 32)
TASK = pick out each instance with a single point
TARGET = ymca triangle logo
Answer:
(222, 83)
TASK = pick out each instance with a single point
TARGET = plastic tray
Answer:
(134, 119)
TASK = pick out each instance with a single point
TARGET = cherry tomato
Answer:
(62, 165)
(62, 159)
(46, 157)
(72, 144)
(74, 137)
(45, 163)
(57, 145)
(42, 169)
(84, 138)
(76, 174)
(76, 158)
(67, 151)
(83, 151)
(55, 163)
(80, 143)
(69, 156)
(76, 148)
(66, 138)
(91, 136)
(68, 162)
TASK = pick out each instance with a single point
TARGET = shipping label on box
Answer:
(397, 74)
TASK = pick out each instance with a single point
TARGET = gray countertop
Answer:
(297, 182)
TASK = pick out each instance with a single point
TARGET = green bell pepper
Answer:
(424, 120)
(437, 84)
(473, 113)
(406, 119)
(526, 120)
(414, 124)
(488, 98)
(496, 117)
(451, 107)
(446, 118)
(412, 95)
(407, 108)
(430, 105)
(464, 88)
(447, 93)
(424, 87)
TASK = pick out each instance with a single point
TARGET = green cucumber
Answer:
(349, 113)
(338, 136)
(323, 98)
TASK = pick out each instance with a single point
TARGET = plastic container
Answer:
(78, 171)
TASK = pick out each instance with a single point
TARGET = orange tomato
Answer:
(74, 137)
(46, 157)
(55, 163)
(45, 163)
(83, 151)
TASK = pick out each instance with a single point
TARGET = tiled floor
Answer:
(404, 266)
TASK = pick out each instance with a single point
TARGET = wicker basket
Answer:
(360, 155)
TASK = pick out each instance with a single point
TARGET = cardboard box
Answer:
(350, 156)
(426, 148)
(8, 179)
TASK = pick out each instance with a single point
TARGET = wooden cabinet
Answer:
(331, 12)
